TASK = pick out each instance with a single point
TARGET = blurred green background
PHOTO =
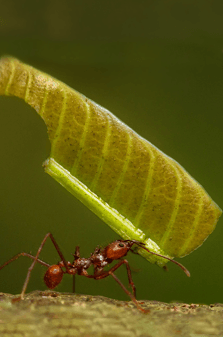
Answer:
(157, 65)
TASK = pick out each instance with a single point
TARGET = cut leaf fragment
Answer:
(136, 189)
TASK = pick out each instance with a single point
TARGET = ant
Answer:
(99, 259)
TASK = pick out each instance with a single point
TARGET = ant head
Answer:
(53, 276)
(118, 249)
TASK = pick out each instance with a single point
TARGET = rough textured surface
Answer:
(54, 314)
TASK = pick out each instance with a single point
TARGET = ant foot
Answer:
(16, 299)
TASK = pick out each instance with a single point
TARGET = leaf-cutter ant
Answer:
(99, 259)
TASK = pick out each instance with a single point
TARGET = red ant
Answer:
(100, 258)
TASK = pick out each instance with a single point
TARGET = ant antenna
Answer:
(142, 245)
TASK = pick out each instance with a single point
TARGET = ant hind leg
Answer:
(37, 258)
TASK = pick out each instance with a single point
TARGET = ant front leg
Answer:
(102, 274)
(113, 269)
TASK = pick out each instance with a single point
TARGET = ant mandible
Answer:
(99, 259)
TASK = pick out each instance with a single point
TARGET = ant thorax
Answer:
(99, 260)
(82, 263)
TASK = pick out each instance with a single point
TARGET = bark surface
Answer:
(56, 314)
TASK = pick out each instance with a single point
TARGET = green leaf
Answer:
(136, 189)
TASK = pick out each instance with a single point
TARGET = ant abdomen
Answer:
(53, 276)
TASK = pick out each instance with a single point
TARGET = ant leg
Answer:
(57, 249)
(128, 293)
(104, 274)
(130, 277)
(76, 256)
(36, 258)
(73, 284)
(113, 269)
(24, 254)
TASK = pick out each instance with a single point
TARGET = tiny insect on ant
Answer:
(99, 259)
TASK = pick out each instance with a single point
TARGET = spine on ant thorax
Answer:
(149, 188)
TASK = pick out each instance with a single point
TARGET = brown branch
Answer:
(56, 314)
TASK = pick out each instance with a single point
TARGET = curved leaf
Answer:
(134, 187)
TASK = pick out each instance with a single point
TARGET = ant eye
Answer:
(121, 245)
